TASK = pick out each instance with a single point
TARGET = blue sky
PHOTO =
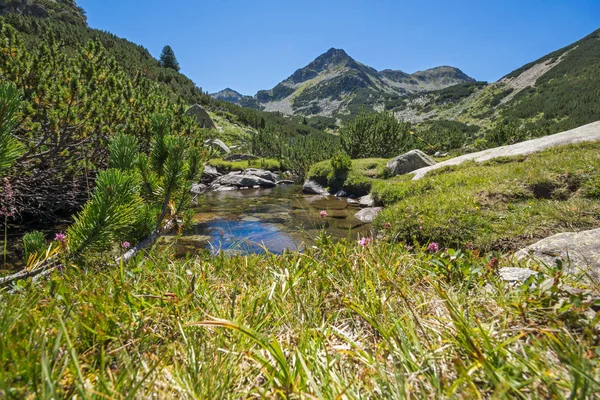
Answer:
(250, 45)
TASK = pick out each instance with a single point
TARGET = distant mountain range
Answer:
(559, 91)
(335, 84)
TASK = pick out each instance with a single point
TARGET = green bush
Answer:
(376, 135)
(341, 163)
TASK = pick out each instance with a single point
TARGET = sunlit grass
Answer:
(503, 204)
(339, 321)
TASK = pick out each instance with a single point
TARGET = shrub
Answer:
(376, 135)
(341, 163)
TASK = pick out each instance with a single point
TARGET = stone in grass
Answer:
(515, 275)
(579, 251)
(409, 162)
(201, 116)
(367, 215)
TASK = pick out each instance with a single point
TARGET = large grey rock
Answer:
(261, 173)
(238, 180)
(240, 157)
(579, 250)
(366, 201)
(312, 187)
(367, 215)
(200, 114)
(409, 162)
(210, 173)
(514, 274)
(586, 133)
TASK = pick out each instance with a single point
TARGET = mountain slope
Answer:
(64, 10)
(557, 92)
(82, 86)
(335, 84)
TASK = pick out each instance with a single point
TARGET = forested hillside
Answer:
(82, 86)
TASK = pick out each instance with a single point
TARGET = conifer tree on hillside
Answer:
(168, 59)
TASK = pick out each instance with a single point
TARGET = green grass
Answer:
(357, 181)
(232, 133)
(502, 204)
(265, 163)
(339, 321)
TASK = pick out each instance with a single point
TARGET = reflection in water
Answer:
(250, 221)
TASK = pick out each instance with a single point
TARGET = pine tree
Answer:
(168, 59)
(10, 148)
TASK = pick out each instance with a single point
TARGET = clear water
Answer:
(255, 220)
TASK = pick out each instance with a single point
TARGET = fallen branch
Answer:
(147, 242)
(45, 267)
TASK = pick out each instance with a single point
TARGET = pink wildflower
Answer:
(323, 214)
(126, 245)
(364, 241)
(60, 237)
(433, 247)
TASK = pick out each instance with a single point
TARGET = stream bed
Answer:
(256, 220)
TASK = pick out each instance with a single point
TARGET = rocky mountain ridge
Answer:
(335, 84)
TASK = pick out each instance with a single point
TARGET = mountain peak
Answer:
(333, 52)
(228, 94)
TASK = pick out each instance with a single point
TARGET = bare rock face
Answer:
(409, 162)
(198, 112)
(312, 187)
(580, 251)
(368, 215)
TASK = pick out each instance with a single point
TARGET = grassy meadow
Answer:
(340, 321)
